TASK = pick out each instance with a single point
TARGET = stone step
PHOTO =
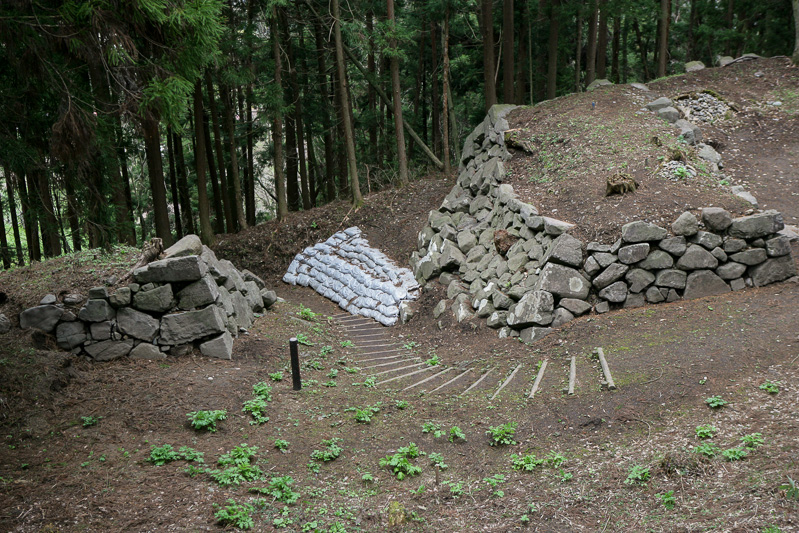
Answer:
(508, 380)
(397, 362)
(397, 369)
(406, 375)
(476, 383)
(428, 379)
(453, 380)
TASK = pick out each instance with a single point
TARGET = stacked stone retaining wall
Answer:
(525, 274)
(189, 299)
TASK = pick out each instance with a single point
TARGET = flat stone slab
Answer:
(182, 328)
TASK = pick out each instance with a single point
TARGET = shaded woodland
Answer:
(120, 121)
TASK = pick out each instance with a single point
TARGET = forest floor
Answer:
(77, 437)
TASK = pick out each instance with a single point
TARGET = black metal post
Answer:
(295, 363)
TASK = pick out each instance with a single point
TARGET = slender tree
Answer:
(590, 60)
(602, 41)
(552, 48)
(508, 52)
(396, 94)
(487, 32)
(795, 57)
(447, 97)
(663, 37)
(277, 122)
(200, 161)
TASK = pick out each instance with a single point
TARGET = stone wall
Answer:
(502, 261)
(188, 299)
(359, 278)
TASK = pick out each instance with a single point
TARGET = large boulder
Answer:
(660, 103)
(253, 296)
(220, 347)
(703, 283)
(145, 350)
(672, 279)
(758, 225)
(566, 250)
(686, 224)
(188, 268)
(198, 294)
(563, 281)
(535, 308)
(188, 245)
(242, 312)
(640, 231)
(696, 258)
(137, 324)
(615, 292)
(186, 327)
(751, 257)
(68, 335)
(109, 350)
(611, 274)
(773, 270)
(157, 300)
(42, 317)
(694, 66)
(633, 253)
(96, 311)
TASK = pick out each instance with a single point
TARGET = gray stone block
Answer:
(732, 245)
(42, 317)
(98, 293)
(186, 327)
(198, 294)
(101, 331)
(773, 270)
(109, 350)
(561, 316)
(535, 308)
(686, 225)
(716, 218)
(657, 260)
(669, 114)
(634, 300)
(633, 253)
(269, 298)
(615, 292)
(253, 296)
(653, 295)
(778, 246)
(640, 231)
(659, 104)
(137, 324)
(220, 347)
(697, 258)
(707, 240)
(96, 311)
(157, 300)
(575, 306)
(188, 245)
(532, 334)
(121, 297)
(189, 268)
(751, 257)
(563, 281)
(639, 279)
(701, 283)
(69, 335)
(565, 250)
(758, 225)
(145, 350)
(730, 270)
(674, 279)
(611, 274)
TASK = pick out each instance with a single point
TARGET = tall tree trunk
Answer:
(30, 222)
(152, 148)
(641, 48)
(325, 90)
(341, 152)
(508, 60)
(249, 193)
(728, 23)
(60, 219)
(663, 36)
(578, 53)
(487, 32)
(4, 252)
(186, 212)
(201, 159)
(296, 150)
(795, 56)
(690, 45)
(72, 214)
(418, 92)
(48, 222)
(220, 155)
(349, 135)
(396, 93)
(445, 76)
(173, 181)
(521, 59)
(292, 186)
(614, 66)
(237, 207)
(130, 233)
(602, 42)
(435, 97)
(219, 213)
(624, 34)
(277, 122)
(14, 220)
(590, 60)
(552, 49)
(370, 94)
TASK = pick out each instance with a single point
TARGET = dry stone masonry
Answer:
(360, 279)
(523, 273)
(190, 298)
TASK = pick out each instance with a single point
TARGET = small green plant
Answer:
(668, 500)
(526, 463)
(307, 314)
(190, 455)
(281, 444)
(708, 449)
(206, 420)
(401, 404)
(565, 476)
(716, 402)
(161, 455)
(330, 383)
(455, 489)
(410, 345)
(681, 172)
(331, 452)
(235, 514)
(239, 467)
(791, 489)
(437, 460)
(89, 421)
(771, 387)
(325, 350)
(420, 490)
(314, 365)
(735, 454)
(430, 427)
(276, 376)
(332, 374)
(364, 416)
(456, 433)
(400, 463)
(351, 369)
(433, 361)
(555, 459)
(706, 431)
(370, 382)
(346, 344)
(367, 478)
(502, 434)
(771, 528)
(280, 489)
(753, 440)
(257, 408)
(303, 339)
(638, 475)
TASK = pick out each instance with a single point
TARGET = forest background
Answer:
(124, 120)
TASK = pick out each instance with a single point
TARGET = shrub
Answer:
(206, 419)
(638, 475)
(502, 434)
(707, 431)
